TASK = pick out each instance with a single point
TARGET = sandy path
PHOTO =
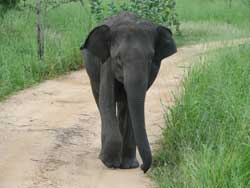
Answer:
(50, 133)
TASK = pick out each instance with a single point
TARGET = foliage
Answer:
(160, 11)
(9, 3)
(97, 9)
(207, 135)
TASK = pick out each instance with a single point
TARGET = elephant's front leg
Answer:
(129, 146)
(110, 133)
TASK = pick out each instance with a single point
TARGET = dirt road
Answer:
(50, 133)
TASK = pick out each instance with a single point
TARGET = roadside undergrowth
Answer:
(206, 140)
(206, 20)
(20, 66)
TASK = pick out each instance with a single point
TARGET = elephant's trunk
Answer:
(136, 87)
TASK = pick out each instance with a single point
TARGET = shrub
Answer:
(160, 11)
(9, 3)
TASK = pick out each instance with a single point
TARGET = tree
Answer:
(44, 7)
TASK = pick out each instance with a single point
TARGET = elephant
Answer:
(122, 57)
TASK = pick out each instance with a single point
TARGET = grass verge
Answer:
(206, 141)
(206, 20)
(67, 26)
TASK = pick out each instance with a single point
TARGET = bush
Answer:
(160, 11)
(9, 3)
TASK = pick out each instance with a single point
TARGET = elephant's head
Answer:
(154, 41)
(138, 48)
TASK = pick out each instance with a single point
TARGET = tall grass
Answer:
(20, 67)
(203, 20)
(206, 141)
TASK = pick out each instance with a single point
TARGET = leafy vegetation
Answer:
(7, 4)
(207, 136)
(160, 11)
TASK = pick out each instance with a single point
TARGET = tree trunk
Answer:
(39, 30)
(44, 24)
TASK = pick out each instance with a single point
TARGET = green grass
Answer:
(206, 141)
(67, 26)
(206, 20)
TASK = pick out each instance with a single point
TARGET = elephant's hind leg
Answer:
(129, 146)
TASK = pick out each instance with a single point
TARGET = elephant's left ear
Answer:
(165, 44)
(98, 42)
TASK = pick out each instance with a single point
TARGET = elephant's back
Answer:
(122, 18)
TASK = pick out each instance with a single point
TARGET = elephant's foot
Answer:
(128, 163)
(110, 163)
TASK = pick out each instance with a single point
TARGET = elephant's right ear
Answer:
(98, 42)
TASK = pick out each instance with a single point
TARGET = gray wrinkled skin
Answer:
(122, 56)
